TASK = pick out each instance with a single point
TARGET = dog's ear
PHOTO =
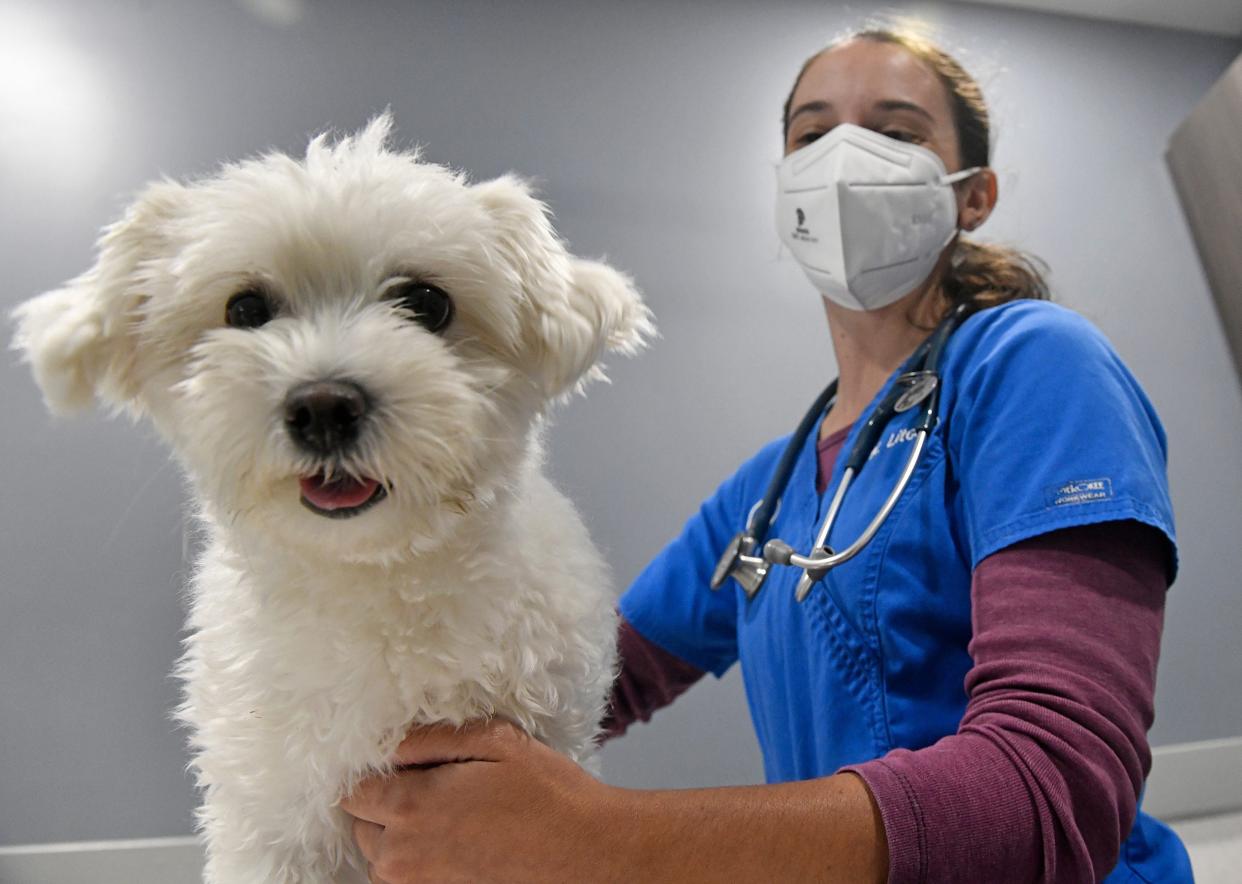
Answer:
(79, 339)
(574, 310)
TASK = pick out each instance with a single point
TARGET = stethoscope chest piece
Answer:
(737, 562)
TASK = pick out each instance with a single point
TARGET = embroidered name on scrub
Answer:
(897, 437)
(903, 435)
(1080, 491)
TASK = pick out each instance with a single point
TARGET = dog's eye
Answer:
(248, 309)
(429, 305)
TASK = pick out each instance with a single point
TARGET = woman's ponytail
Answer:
(985, 274)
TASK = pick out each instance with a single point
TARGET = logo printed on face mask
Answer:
(883, 212)
(800, 230)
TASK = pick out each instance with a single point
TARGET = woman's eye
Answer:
(807, 137)
(902, 135)
(249, 308)
(428, 305)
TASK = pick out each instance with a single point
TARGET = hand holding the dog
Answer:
(500, 806)
(497, 805)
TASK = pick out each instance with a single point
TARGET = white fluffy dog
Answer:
(352, 355)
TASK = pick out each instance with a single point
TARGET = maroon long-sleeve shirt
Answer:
(1041, 780)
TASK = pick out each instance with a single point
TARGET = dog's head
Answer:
(345, 350)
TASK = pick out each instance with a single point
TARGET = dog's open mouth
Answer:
(340, 498)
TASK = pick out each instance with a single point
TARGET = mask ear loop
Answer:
(960, 176)
(947, 180)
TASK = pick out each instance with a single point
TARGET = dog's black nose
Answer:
(323, 417)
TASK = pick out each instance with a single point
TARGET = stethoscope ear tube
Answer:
(871, 431)
(817, 565)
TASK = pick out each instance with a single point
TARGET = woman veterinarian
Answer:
(1027, 559)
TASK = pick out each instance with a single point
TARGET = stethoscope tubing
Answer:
(762, 515)
(918, 386)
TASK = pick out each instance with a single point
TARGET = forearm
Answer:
(818, 830)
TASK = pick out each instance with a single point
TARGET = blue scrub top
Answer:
(1041, 427)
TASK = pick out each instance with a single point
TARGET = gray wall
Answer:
(654, 129)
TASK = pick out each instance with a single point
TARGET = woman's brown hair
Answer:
(980, 274)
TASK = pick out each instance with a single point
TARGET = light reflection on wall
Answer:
(57, 116)
(281, 13)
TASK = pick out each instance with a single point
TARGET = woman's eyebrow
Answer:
(886, 104)
(893, 104)
(810, 107)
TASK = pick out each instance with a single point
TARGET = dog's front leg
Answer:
(300, 846)
(268, 813)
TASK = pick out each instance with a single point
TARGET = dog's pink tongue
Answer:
(339, 494)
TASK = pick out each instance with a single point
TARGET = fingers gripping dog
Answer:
(352, 355)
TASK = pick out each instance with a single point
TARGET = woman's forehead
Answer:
(859, 74)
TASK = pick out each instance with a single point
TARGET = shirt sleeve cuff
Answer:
(903, 819)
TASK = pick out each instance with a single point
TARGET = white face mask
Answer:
(866, 216)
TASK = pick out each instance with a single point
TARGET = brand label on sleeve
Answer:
(1079, 491)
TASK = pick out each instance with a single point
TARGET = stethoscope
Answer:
(919, 384)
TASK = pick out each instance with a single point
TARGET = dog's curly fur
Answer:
(471, 588)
